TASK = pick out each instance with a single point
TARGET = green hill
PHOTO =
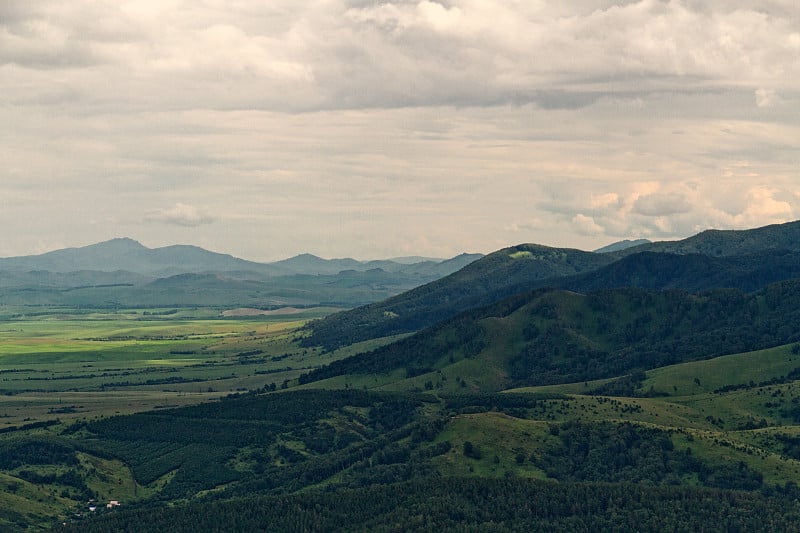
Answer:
(716, 242)
(745, 259)
(496, 276)
(551, 336)
(579, 407)
(691, 272)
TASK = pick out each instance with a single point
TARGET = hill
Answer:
(500, 274)
(691, 272)
(745, 259)
(714, 242)
(129, 255)
(621, 245)
(667, 403)
(552, 336)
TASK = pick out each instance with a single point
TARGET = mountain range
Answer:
(128, 255)
(124, 273)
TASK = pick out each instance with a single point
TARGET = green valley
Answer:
(627, 390)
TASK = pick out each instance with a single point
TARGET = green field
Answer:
(72, 364)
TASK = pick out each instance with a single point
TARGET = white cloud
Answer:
(467, 121)
(586, 225)
(661, 204)
(766, 97)
(181, 215)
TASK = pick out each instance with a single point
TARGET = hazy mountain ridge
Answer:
(125, 254)
(621, 245)
(123, 273)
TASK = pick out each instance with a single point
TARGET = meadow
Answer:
(70, 364)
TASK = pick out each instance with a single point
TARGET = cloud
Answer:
(764, 207)
(766, 98)
(661, 204)
(468, 121)
(586, 225)
(181, 215)
(352, 54)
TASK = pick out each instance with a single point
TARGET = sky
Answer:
(374, 129)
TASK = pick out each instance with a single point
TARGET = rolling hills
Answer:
(743, 259)
(638, 389)
(553, 336)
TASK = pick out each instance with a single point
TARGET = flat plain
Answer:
(71, 363)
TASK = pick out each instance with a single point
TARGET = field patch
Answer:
(69, 365)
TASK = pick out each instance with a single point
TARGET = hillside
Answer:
(498, 275)
(359, 458)
(744, 259)
(690, 272)
(647, 391)
(714, 242)
(621, 245)
(551, 336)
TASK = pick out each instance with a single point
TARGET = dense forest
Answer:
(566, 337)
(480, 505)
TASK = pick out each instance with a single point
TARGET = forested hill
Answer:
(744, 259)
(691, 272)
(552, 336)
(715, 242)
(496, 276)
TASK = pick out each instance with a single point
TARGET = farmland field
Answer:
(72, 364)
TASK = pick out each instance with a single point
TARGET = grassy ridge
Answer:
(551, 337)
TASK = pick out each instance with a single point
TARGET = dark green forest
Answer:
(480, 505)
(567, 337)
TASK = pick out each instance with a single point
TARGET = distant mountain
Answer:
(123, 273)
(129, 255)
(311, 264)
(621, 245)
(408, 260)
(124, 254)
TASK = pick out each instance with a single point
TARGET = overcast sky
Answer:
(374, 129)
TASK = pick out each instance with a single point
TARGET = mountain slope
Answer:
(621, 245)
(716, 242)
(691, 272)
(552, 336)
(500, 274)
(746, 259)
